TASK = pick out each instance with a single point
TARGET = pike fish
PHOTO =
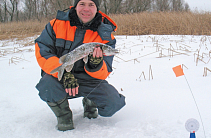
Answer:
(80, 52)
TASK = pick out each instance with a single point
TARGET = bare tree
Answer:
(104, 6)
(1, 13)
(177, 5)
(32, 9)
(38, 9)
(161, 5)
(28, 9)
(60, 4)
(115, 6)
(45, 10)
(5, 19)
(187, 7)
(12, 8)
(111, 6)
(128, 6)
(16, 10)
(142, 5)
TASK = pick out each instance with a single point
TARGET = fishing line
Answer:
(196, 105)
(93, 89)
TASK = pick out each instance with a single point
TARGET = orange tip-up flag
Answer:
(178, 71)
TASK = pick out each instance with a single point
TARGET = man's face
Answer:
(86, 10)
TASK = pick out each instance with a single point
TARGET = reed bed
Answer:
(163, 23)
(144, 23)
(21, 29)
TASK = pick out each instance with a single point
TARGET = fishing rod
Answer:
(179, 72)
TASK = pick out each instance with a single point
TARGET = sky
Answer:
(204, 5)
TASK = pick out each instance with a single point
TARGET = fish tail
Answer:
(60, 71)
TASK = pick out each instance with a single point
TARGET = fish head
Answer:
(109, 51)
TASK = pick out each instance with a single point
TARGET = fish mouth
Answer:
(116, 51)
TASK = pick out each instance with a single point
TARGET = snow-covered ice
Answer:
(157, 102)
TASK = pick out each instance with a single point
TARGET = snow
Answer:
(157, 102)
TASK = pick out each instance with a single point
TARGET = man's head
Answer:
(86, 9)
(95, 1)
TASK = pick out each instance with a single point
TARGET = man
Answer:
(82, 23)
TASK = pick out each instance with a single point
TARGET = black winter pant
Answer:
(104, 95)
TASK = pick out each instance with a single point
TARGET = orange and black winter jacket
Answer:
(65, 33)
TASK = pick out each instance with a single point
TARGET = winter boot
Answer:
(63, 113)
(90, 109)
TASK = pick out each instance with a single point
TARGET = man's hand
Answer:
(96, 57)
(97, 52)
(70, 84)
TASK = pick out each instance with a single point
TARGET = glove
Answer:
(94, 61)
(69, 81)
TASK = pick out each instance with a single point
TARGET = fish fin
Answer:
(62, 59)
(60, 71)
(60, 74)
(85, 59)
(69, 68)
(55, 70)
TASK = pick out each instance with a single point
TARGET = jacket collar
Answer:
(100, 17)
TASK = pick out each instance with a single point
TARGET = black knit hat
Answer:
(95, 1)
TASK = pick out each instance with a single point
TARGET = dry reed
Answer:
(163, 23)
(158, 23)
(21, 29)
